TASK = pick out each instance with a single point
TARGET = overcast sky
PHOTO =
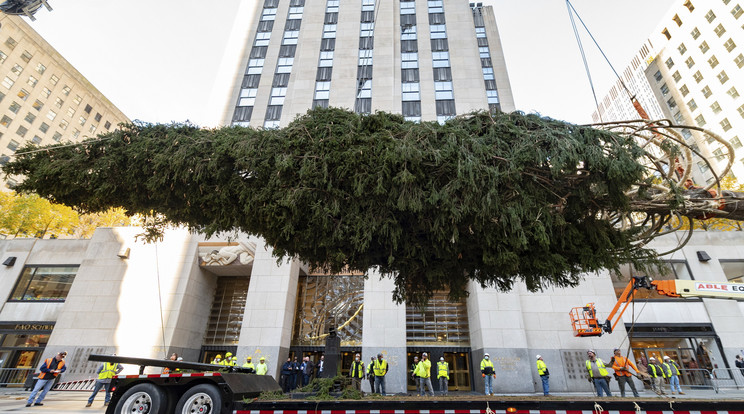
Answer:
(157, 60)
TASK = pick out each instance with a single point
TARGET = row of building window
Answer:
(363, 97)
(710, 16)
(410, 85)
(322, 92)
(492, 94)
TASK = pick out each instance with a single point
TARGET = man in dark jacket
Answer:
(287, 375)
(307, 370)
(49, 371)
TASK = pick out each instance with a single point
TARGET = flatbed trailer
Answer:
(215, 389)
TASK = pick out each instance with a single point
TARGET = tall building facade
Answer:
(691, 71)
(428, 60)
(43, 98)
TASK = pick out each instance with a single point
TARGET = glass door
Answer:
(459, 365)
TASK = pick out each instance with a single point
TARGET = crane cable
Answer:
(571, 12)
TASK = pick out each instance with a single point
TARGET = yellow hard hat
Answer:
(218, 356)
(228, 355)
(235, 358)
(249, 358)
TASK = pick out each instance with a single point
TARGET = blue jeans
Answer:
(425, 384)
(44, 385)
(380, 385)
(546, 384)
(97, 387)
(488, 381)
(601, 384)
(674, 383)
(305, 379)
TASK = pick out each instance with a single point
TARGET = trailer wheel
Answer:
(142, 399)
(200, 399)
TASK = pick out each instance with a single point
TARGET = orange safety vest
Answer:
(621, 362)
(48, 363)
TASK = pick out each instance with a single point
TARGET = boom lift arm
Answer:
(584, 318)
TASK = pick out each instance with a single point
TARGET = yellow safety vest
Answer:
(108, 371)
(600, 365)
(423, 369)
(249, 365)
(672, 368)
(486, 363)
(541, 367)
(380, 368)
(442, 370)
(652, 370)
(360, 368)
(261, 369)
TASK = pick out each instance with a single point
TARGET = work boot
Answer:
(38, 403)
(89, 404)
(681, 393)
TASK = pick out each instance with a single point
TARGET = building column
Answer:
(269, 309)
(384, 331)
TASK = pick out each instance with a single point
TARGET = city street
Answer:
(55, 402)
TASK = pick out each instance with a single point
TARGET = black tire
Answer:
(200, 399)
(143, 398)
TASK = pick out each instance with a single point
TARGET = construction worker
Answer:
(106, 372)
(413, 371)
(657, 375)
(597, 373)
(423, 371)
(49, 371)
(234, 361)
(542, 370)
(486, 367)
(356, 372)
(261, 368)
(371, 374)
(671, 369)
(380, 368)
(228, 359)
(249, 365)
(443, 375)
(622, 373)
(217, 360)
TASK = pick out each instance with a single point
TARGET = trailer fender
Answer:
(202, 398)
(144, 398)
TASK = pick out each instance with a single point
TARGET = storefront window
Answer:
(674, 270)
(44, 283)
(325, 301)
(734, 270)
(442, 323)
(228, 307)
(696, 356)
(25, 340)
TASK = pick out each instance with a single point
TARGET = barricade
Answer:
(728, 378)
(80, 385)
(14, 376)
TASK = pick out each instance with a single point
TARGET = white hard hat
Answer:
(486, 354)
(666, 357)
(539, 356)
(441, 358)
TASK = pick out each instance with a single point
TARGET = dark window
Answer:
(366, 43)
(442, 74)
(412, 108)
(409, 75)
(482, 41)
(446, 107)
(258, 52)
(251, 81)
(478, 19)
(98, 117)
(490, 85)
(439, 45)
(331, 18)
(363, 105)
(265, 25)
(107, 125)
(293, 24)
(364, 72)
(57, 137)
(287, 50)
(486, 63)
(281, 79)
(44, 127)
(324, 74)
(243, 113)
(494, 108)
(88, 108)
(322, 103)
(270, 4)
(436, 18)
(408, 20)
(273, 112)
(328, 44)
(47, 283)
(297, 3)
(408, 46)
(368, 16)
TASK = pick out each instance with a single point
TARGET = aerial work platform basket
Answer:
(584, 321)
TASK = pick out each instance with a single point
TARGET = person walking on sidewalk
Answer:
(443, 376)
(106, 372)
(671, 369)
(542, 370)
(622, 373)
(49, 371)
(597, 373)
(486, 367)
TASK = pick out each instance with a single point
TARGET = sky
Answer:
(171, 60)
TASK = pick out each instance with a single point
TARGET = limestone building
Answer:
(691, 71)
(43, 98)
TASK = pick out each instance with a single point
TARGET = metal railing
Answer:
(14, 376)
(729, 378)
(80, 385)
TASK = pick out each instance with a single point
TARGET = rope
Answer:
(637, 407)
(583, 55)
(598, 408)
(160, 300)
(488, 409)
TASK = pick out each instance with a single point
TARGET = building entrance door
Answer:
(459, 366)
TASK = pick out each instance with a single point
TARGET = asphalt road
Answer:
(55, 402)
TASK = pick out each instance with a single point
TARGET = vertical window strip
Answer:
(247, 98)
(492, 94)
(443, 90)
(325, 61)
(284, 64)
(363, 103)
(410, 86)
